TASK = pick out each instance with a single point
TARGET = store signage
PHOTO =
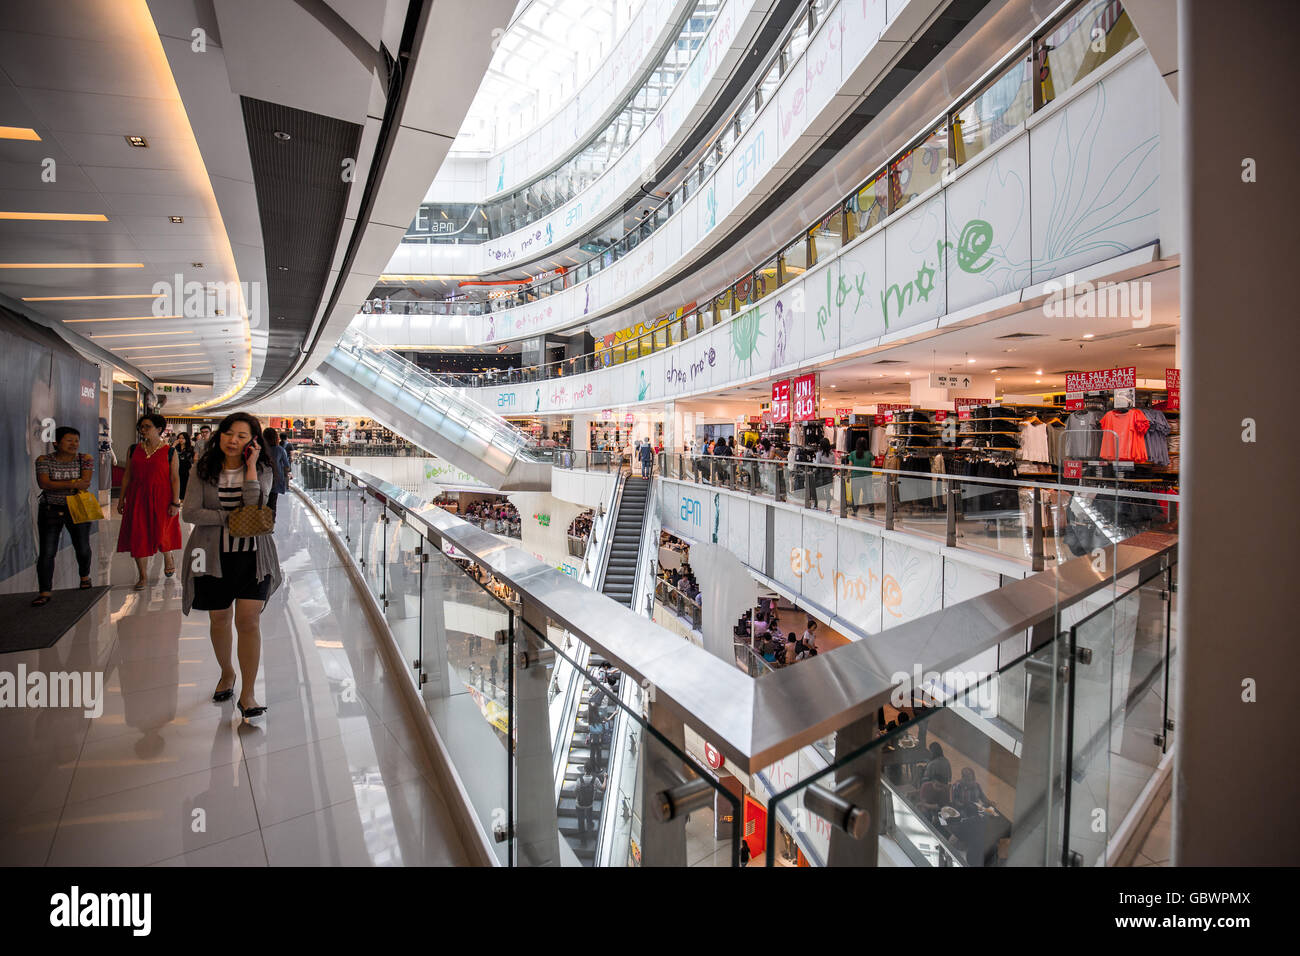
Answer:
(712, 756)
(967, 402)
(543, 520)
(889, 407)
(941, 415)
(1173, 385)
(781, 402)
(1072, 469)
(829, 422)
(963, 414)
(843, 412)
(1074, 401)
(884, 419)
(1173, 378)
(947, 380)
(629, 418)
(803, 391)
(754, 419)
(1106, 379)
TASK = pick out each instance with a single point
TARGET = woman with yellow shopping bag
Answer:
(61, 476)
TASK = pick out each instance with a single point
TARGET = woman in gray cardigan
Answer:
(220, 569)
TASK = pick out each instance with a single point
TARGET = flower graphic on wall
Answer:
(1095, 209)
(717, 514)
(538, 406)
(642, 388)
(711, 202)
(501, 175)
(746, 330)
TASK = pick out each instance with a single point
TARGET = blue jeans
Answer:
(50, 522)
(645, 469)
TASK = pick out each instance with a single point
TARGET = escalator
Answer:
(438, 417)
(617, 582)
(625, 550)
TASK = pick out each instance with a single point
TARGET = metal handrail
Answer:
(755, 722)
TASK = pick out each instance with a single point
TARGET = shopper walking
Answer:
(63, 473)
(151, 500)
(823, 474)
(201, 443)
(228, 575)
(279, 462)
(647, 457)
(859, 477)
(184, 449)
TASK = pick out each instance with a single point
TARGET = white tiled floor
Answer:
(331, 776)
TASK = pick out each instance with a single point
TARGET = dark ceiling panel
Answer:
(301, 199)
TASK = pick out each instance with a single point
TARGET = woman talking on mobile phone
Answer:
(223, 569)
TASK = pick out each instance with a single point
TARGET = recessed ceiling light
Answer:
(19, 132)
(56, 216)
(71, 265)
(1039, 372)
(176, 218)
(995, 371)
(997, 380)
(283, 268)
(128, 318)
(1087, 335)
(196, 265)
(138, 141)
(282, 136)
(971, 361)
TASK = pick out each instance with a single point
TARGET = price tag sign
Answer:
(1072, 469)
(1074, 401)
(843, 412)
(884, 419)
(1174, 386)
(963, 414)
(781, 402)
(941, 415)
(803, 393)
(829, 422)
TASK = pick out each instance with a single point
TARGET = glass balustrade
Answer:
(1025, 743)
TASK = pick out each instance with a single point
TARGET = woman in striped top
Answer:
(228, 576)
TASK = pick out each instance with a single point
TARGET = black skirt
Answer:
(238, 580)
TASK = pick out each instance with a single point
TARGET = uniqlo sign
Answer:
(781, 402)
(1106, 379)
(803, 392)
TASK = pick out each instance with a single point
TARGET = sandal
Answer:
(85, 585)
(139, 585)
(41, 601)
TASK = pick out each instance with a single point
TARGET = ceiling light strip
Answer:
(127, 318)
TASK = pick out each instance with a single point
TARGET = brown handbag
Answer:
(248, 521)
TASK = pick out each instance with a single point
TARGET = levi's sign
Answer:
(1102, 380)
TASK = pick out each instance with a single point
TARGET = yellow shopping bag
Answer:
(83, 506)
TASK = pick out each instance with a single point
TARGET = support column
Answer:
(845, 849)
(662, 844)
(1236, 653)
(1036, 835)
(537, 831)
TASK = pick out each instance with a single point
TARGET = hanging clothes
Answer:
(1122, 436)
(1033, 442)
(1157, 437)
(1082, 439)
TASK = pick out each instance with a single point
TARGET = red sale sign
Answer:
(1074, 401)
(1072, 469)
(963, 414)
(941, 415)
(803, 392)
(1173, 378)
(1106, 379)
(967, 402)
(781, 402)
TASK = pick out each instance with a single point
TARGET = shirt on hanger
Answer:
(1033, 442)
(1122, 436)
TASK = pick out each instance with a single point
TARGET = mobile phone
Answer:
(248, 449)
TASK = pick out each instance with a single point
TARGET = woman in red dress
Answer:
(151, 500)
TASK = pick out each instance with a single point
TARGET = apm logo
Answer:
(691, 511)
(76, 909)
(506, 400)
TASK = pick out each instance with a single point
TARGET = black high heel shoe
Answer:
(251, 712)
(221, 696)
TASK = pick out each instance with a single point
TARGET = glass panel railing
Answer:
(625, 790)
(1026, 518)
(1026, 742)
